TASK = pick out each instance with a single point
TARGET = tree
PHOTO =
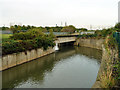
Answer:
(19, 27)
(13, 29)
(70, 29)
(44, 30)
(78, 30)
(83, 29)
(24, 27)
(16, 26)
(117, 26)
(33, 27)
(51, 34)
(28, 27)
(5, 28)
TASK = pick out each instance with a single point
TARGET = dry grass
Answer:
(106, 79)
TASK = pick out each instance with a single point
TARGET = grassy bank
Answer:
(5, 36)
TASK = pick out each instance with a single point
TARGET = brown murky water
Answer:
(70, 67)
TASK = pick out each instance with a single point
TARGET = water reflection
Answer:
(49, 70)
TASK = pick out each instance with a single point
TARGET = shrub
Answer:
(117, 26)
(69, 28)
(87, 36)
(112, 43)
(32, 39)
(30, 34)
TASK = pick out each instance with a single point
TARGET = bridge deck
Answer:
(65, 39)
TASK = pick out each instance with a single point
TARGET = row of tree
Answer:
(70, 28)
(18, 28)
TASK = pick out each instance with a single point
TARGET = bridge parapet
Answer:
(65, 39)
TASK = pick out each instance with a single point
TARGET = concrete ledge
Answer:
(92, 43)
(15, 59)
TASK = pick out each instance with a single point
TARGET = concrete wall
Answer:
(92, 43)
(109, 59)
(15, 59)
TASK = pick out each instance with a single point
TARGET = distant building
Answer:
(119, 11)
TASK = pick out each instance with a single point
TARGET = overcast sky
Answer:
(80, 13)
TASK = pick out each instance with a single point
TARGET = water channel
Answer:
(70, 67)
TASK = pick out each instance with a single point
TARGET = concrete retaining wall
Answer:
(109, 59)
(15, 59)
(92, 43)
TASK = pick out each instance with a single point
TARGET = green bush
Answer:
(69, 28)
(112, 43)
(11, 47)
(117, 26)
(15, 46)
(87, 35)
(30, 34)
(104, 32)
(32, 39)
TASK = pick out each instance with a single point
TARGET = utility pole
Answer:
(61, 23)
(10, 24)
(65, 23)
(99, 27)
(90, 27)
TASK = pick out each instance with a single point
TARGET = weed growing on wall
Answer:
(111, 75)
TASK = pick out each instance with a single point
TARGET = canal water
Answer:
(70, 67)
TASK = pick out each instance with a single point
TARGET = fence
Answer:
(6, 32)
(117, 37)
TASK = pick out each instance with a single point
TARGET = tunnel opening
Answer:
(66, 44)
